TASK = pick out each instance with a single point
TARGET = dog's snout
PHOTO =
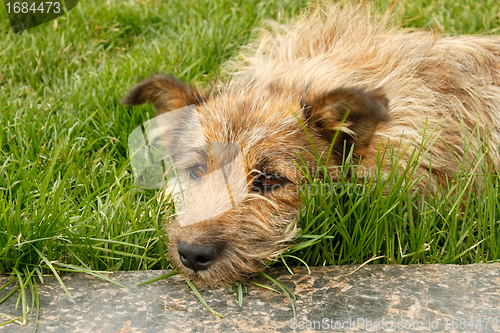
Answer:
(196, 257)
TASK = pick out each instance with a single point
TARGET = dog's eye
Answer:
(270, 180)
(266, 182)
(197, 171)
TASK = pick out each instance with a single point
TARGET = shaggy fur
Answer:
(332, 60)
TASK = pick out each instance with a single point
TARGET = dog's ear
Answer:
(165, 93)
(366, 109)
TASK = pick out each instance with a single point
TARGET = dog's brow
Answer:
(279, 167)
(196, 152)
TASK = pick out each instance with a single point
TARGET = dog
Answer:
(336, 78)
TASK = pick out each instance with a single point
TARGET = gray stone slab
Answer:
(374, 298)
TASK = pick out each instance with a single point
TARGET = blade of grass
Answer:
(240, 293)
(158, 278)
(24, 302)
(47, 262)
(288, 292)
(201, 299)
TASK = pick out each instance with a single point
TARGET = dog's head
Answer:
(248, 140)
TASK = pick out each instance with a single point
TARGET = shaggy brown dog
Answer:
(395, 85)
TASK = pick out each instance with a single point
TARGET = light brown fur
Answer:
(331, 59)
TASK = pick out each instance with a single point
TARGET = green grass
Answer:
(379, 217)
(67, 200)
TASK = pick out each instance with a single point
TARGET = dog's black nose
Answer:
(196, 257)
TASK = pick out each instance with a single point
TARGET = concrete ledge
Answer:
(422, 297)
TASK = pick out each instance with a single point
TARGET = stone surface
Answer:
(374, 298)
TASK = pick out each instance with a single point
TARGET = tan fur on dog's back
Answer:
(453, 82)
